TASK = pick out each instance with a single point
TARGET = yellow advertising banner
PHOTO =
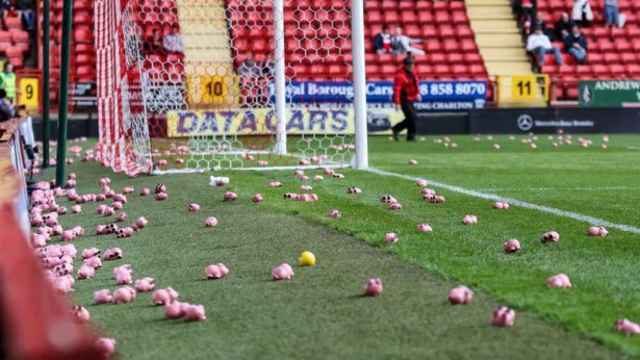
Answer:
(263, 122)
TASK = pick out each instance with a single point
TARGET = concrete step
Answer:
(499, 40)
(494, 26)
(508, 68)
(489, 12)
(487, 3)
(503, 54)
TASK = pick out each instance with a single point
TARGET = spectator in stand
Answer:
(538, 44)
(542, 24)
(402, 44)
(382, 41)
(155, 43)
(6, 108)
(4, 6)
(8, 81)
(172, 42)
(576, 45)
(525, 13)
(406, 91)
(611, 13)
(563, 26)
(582, 14)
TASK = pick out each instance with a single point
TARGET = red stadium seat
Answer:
(617, 70)
(437, 58)
(13, 22)
(408, 17)
(442, 17)
(429, 31)
(465, 32)
(447, 31)
(455, 58)
(460, 17)
(632, 70)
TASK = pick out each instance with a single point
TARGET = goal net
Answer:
(196, 85)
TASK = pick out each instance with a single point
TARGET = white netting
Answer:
(205, 84)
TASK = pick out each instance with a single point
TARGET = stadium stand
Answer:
(14, 39)
(612, 51)
(83, 54)
(449, 41)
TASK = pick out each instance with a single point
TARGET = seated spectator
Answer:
(382, 41)
(402, 44)
(612, 13)
(576, 45)
(249, 68)
(563, 26)
(172, 42)
(582, 14)
(538, 44)
(154, 44)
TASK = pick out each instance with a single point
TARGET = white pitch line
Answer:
(593, 188)
(568, 214)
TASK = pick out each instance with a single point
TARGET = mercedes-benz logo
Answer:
(525, 122)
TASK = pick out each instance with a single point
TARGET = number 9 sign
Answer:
(28, 92)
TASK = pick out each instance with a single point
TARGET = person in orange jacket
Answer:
(406, 91)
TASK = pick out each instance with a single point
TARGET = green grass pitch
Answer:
(320, 313)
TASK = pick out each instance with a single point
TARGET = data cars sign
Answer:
(435, 95)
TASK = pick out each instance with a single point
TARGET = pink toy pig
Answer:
(194, 312)
(230, 196)
(460, 295)
(373, 287)
(503, 317)
(86, 272)
(282, 272)
(391, 238)
(627, 327)
(81, 313)
(112, 254)
(559, 281)
(102, 297)
(146, 284)
(217, 271)
(124, 295)
(550, 236)
(511, 246)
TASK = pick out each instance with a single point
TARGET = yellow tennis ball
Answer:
(307, 259)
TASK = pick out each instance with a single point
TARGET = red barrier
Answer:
(36, 321)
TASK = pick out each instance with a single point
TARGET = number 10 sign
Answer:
(209, 90)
